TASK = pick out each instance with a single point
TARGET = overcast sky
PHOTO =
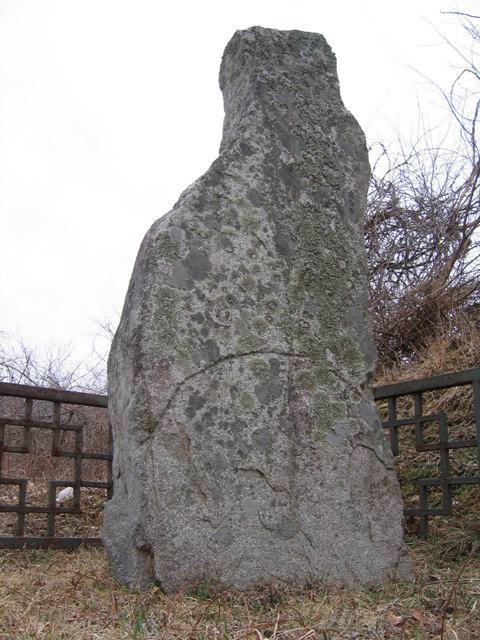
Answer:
(109, 109)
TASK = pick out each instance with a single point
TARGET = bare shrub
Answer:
(422, 225)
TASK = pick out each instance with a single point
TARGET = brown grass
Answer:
(38, 465)
(454, 347)
(56, 594)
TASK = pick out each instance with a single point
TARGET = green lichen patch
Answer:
(166, 306)
(247, 401)
(259, 325)
(247, 343)
(229, 231)
(326, 413)
(305, 380)
(348, 354)
(248, 283)
(250, 220)
(259, 368)
(166, 248)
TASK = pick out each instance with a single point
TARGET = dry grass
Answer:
(86, 524)
(38, 464)
(57, 594)
(455, 346)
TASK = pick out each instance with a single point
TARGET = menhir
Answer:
(248, 448)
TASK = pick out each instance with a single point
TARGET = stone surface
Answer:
(248, 448)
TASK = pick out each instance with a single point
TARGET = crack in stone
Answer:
(265, 477)
(306, 555)
(186, 450)
(224, 173)
(362, 444)
(152, 468)
(269, 252)
(266, 526)
(308, 540)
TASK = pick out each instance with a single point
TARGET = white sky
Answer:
(109, 109)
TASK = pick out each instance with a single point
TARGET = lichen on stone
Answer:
(246, 438)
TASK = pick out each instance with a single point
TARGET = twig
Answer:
(454, 587)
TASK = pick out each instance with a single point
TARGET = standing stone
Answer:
(248, 448)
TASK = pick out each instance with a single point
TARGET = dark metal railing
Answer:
(48, 414)
(419, 422)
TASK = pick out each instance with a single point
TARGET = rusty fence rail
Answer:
(438, 440)
(52, 418)
(49, 412)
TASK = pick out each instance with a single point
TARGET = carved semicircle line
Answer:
(221, 360)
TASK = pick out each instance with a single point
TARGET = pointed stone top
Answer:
(270, 68)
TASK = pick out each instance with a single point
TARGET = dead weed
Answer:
(57, 594)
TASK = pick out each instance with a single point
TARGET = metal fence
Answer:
(438, 439)
(47, 434)
(32, 416)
